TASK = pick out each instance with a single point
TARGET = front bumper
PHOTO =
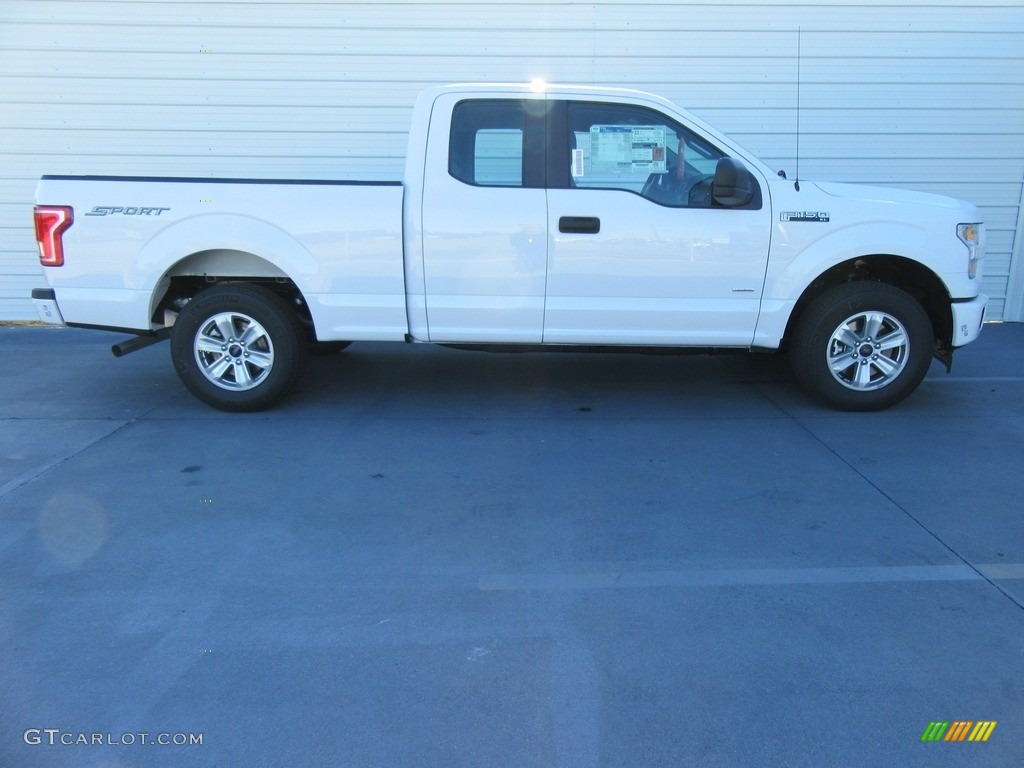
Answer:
(46, 306)
(968, 317)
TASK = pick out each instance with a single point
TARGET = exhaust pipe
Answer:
(136, 343)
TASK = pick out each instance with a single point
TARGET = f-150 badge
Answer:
(805, 216)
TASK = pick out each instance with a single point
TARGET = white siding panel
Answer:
(926, 94)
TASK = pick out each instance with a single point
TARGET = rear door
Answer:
(484, 232)
(640, 252)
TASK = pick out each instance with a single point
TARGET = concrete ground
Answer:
(438, 558)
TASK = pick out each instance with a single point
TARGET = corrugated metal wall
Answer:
(923, 95)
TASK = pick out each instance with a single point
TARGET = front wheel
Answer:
(238, 347)
(862, 346)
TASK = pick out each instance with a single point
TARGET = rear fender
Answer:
(223, 245)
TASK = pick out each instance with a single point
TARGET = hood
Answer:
(886, 195)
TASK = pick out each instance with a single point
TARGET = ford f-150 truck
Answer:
(566, 216)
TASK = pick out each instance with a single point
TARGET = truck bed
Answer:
(339, 241)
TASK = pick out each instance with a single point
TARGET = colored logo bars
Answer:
(958, 730)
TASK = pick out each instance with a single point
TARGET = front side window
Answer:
(622, 147)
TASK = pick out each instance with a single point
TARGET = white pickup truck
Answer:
(565, 216)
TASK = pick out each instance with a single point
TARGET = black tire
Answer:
(862, 346)
(257, 363)
(327, 348)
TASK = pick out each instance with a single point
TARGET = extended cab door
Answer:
(484, 220)
(641, 251)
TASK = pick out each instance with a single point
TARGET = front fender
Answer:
(792, 269)
(799, 257)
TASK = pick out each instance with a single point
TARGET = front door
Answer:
(640, 252)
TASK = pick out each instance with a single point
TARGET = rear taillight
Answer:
(51, 223)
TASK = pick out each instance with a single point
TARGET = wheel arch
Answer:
(219, 247)
(898, 271)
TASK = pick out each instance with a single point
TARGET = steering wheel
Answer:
(700, 193)
(669, 189)
(665, 188)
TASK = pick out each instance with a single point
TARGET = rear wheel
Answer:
(862, 346)
(238, 347)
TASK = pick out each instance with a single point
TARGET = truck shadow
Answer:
(492, 384)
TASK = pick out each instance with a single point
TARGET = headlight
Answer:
(970, 235)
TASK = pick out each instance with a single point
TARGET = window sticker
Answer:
(628, 148)
(578, 166)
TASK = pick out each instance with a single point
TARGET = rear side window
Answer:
(487, 140)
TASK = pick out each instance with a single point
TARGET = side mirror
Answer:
(733, 186)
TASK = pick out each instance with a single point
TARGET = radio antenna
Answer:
(799, 59)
